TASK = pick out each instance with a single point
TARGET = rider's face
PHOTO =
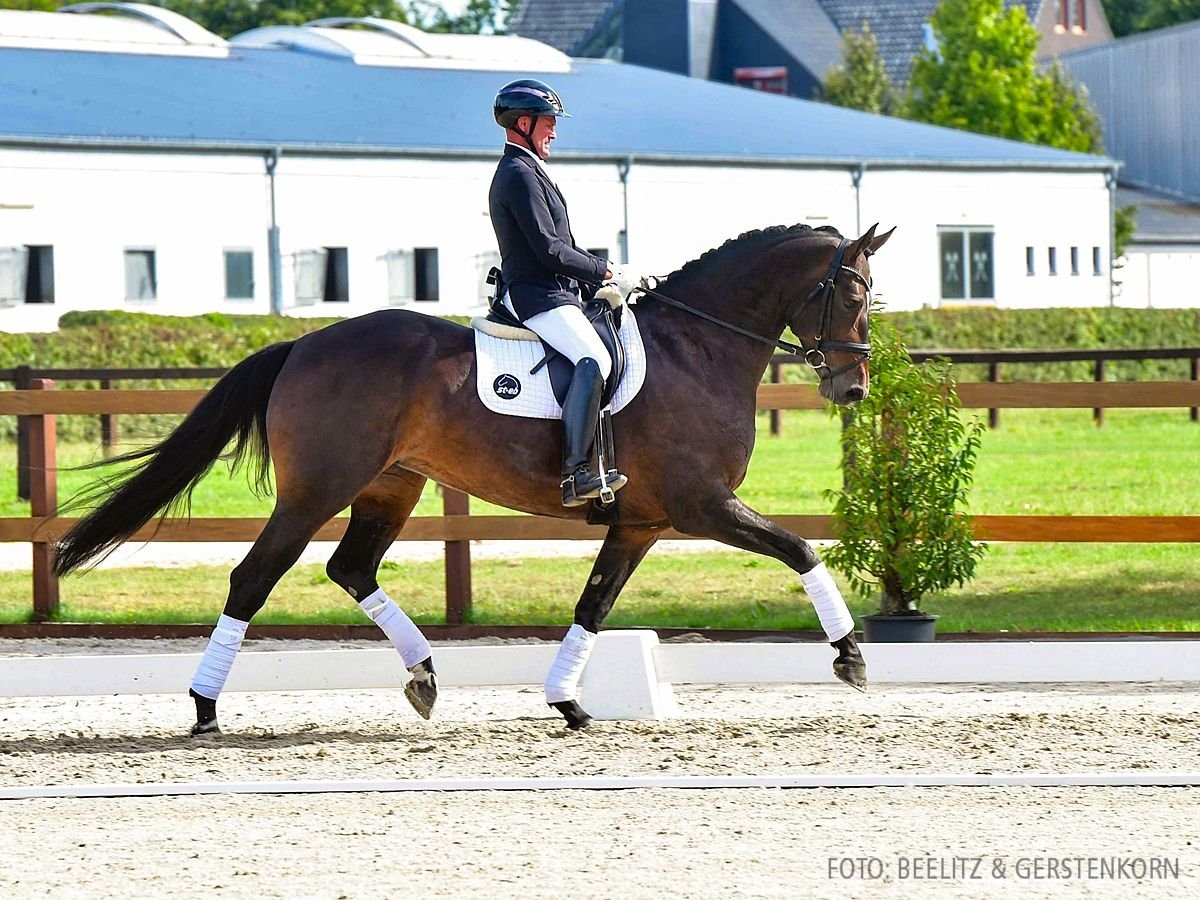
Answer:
(543, 134)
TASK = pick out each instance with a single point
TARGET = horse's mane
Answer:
(756, 239)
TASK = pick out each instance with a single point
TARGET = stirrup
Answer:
(604, 487)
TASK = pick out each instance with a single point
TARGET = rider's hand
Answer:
(625, 279)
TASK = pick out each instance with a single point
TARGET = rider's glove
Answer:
(625, 279)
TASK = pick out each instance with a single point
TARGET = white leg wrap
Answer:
(563, 681)
(827, 600)
(404, 635)
(218, 657)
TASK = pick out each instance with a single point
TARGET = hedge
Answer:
(122, 339)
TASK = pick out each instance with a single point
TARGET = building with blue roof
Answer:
(341, 166)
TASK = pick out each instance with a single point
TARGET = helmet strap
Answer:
(528, 135)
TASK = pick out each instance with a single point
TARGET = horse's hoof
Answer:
(206, 715)
(421, 690)
(853, 671)
(573, 713)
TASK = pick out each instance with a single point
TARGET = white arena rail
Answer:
(630, 674)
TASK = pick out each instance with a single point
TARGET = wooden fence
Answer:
(40, 403)
(993, 359)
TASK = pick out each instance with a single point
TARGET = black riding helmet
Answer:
(525, 97)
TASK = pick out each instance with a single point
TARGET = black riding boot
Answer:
(581, 411)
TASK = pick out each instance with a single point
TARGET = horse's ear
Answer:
(862, 244)
(876, 242)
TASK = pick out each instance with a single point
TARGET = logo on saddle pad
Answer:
(506, 386)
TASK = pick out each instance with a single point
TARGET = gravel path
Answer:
(639, 843)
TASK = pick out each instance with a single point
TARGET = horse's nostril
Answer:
(855, 394)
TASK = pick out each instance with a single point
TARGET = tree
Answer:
(908, 460)
(1161, 13)
(36, 5)
(1131, 16)
(1123, 15)
(479, 16)
(1067, 113)
(230, 17)
(983, 77)
(861, 82)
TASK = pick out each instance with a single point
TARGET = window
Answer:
(310, 276)
(141, 276)
(1097, 262)
(601, 252)
(1052, 260)
(322, 275)
(337, 275)
(26, 274)
(1030, 269)
(1074, 260)
(425, 274)
(1070, 15)
(399, 276)
(39, 276)
(239, 274)
(771, 79)
(968, 269)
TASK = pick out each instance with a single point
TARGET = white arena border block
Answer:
(629, 675)
(612, 783)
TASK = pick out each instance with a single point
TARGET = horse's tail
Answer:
(235, 409)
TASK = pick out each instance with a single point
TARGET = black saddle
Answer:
(604, 319)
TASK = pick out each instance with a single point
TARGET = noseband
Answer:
(815, 355)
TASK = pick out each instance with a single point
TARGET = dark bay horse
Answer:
(362, 412)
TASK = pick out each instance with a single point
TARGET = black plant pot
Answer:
(902, 629)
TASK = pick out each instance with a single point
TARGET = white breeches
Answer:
(567, 330)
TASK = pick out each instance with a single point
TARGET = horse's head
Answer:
(831, 318)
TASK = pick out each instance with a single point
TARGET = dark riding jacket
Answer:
(539, 261)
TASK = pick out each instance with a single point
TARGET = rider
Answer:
(541, 269)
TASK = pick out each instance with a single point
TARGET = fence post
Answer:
(1195, 377)
(21, 383)
(993, 377)
(1098, 414)
(108, 423)
(458, 561)
(43, 503)
(775, 375)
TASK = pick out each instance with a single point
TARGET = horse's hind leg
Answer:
(280, 544)
(376, 517)
(623, 550)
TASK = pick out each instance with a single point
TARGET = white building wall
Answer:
(91, 206)
(1163, 277)
(1023, 209)
(677, 211)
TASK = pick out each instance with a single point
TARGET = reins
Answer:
(671, 301)
(814, 357)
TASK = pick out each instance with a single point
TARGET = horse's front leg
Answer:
(623, 549)
(727, 519)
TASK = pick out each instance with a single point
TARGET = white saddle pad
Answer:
(506, 387)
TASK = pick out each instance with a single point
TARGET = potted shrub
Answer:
(907, 463)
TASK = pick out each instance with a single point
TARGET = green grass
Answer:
(1038, 462)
